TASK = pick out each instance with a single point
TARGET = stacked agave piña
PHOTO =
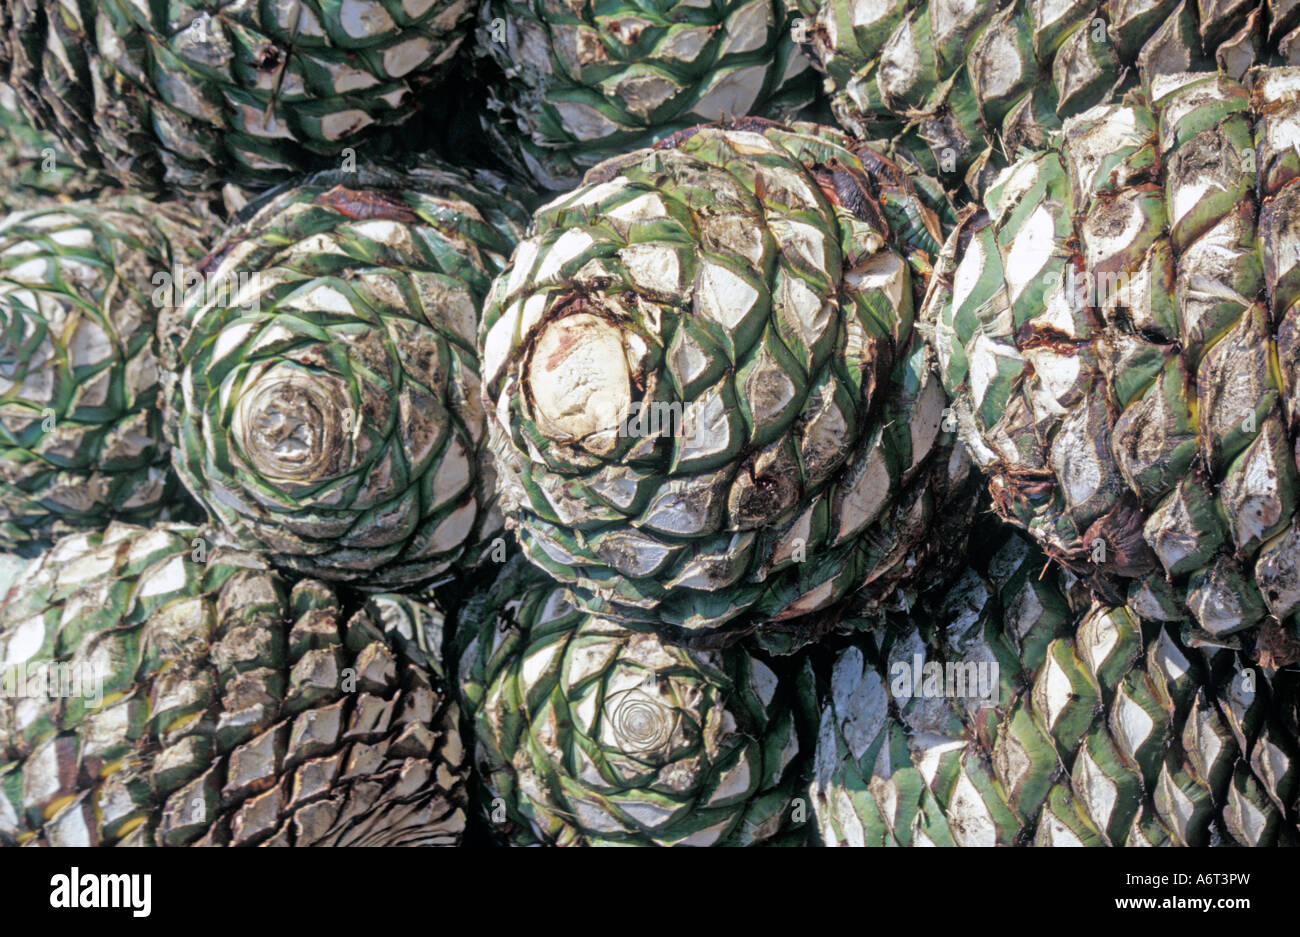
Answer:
(591, 734)
(586, 81)
(757, 281)
(1096, 728)
(697, 391)
(80, 427)
(327, 410)
(963, 85)
(192, 96)
(1120, 330)
(709, 409)
(320, 387)
(332, 384)
(328, 417)
(213, 702)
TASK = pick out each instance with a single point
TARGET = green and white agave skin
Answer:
(212, 703)
(590, 734)
(742, 282)
(588, 79)
(33, 164)
(11, 567)
(193, 95)
(1119, 332)
(1100, 729)
(81, 438)
(327, 409)
(965, 84)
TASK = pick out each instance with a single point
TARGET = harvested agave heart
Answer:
(587, 733)
(326, 407)
(709, 407)
(194, 95)
(1120, 330)
(164, 693)
(81, 434)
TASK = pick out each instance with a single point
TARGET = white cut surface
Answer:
(362, 19)
(747, 29)
(1032, 247)
(1178, 808)
(1100, 793)
(22, 641)
(1188, 195)
(968, 273)
(1250, 820)
(1057, 691)
(723, 296)
(684, 44)
(578, 378)
(654, 269)
(1054, 832)
(1104, 241)
(405, 57)
(568, 246)
(869, 489)
(984, 356)
(968, 816)
(1097, 637)
(1001, 65)
(1131, 723)
(454, 529)
(705, 428)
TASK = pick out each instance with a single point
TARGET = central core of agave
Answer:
(579, 383)
(292, 428)
(640, 724)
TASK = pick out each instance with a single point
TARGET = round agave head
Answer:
(706, 392)
(194, 95)
(80, 427)
(327, 410)
(589, 80)
(1095, 728)
(590, 734)
(160, 692)
(1120, 332)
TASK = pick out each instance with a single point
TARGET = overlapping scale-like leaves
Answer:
(963, 85)
(707, 394)
(160, 692)
(328, 410)
(1015, 714)
(82, 289)
(194, 95)
(590, 734)
(588, 79)
(33, 165)
(1120, 331)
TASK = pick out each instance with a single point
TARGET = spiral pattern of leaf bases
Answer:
(327, 411)
(709, 407)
